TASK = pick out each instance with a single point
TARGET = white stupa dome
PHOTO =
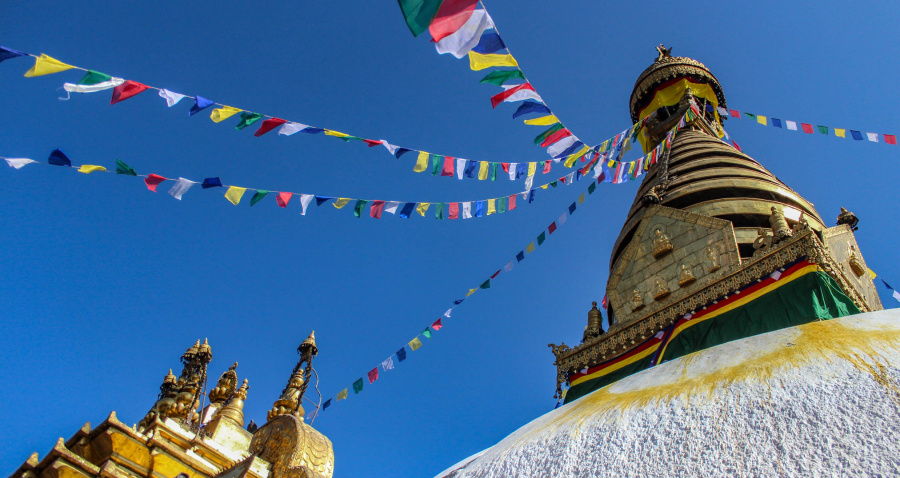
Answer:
(820, 399)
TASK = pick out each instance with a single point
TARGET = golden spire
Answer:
(234, 409)
(309, 344)
(289, 402)
(225, 387)
(593, 328)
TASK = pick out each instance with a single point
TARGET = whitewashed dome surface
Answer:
(821, 399)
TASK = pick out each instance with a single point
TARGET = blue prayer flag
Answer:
(856, 135)
(570, 150)
(211, 183)
(531, 107)
(572, 208)
(521, 170)
(490, 42)
(458, 301)
(479, 208)
(326, 404)
(531, 196)
(401, 152)
(7, 53)
(408, 208)
(58, 158)
(470, 168)
(311, 130)
(200, 104)
(401, 354)
(321, 199)
(520, 256)
(358, 386)
(776, 122)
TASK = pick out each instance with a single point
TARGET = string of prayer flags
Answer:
(894, 293)
(809, 128)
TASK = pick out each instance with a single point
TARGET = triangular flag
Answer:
(126, 90)
(437, 325)
(18, 162)
(373, 375)
(221, 114)
(200, 104)
(283, 199)
(388, 364)
(477, 61)
(341, 202)
(211, 183)
(415, 343)
(90, 168)
(326, 404)
(45, 65)
(418, 14)
(234, 194)
(122, 168)
(268, 125)
(258, 196)
(305, 199)
(153, 180)
(450, 17)
(342, 395)
(322, 199)
(499, 77)
(172, 98)
(93, 77)
(58, 158)
(247, 119)
(427, 333)
(180, 187)
(7, 53)
(466, 37)
(291, 128)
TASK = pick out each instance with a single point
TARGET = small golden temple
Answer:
(714, 247)
(183, 437)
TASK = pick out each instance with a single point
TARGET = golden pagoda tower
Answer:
(180, 438)
(714, 248)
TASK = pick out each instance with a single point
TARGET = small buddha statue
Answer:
(855, 263)
(780, 228)
(661, 290)
(661, 244)
(637, 300)
(686, 276)
(713, 260)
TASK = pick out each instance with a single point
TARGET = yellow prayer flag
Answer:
(415, 344)
(532, 168)
(234, 194)
(631, 167)
(762, 120)
(840, 133)
(483, 170)
(421, 162)
(544, 186)
(342, 395)
(580, 199)
(422, 207)
(341, 202)
(570, 161)
(542, 121)
(492, 206)
(221, 114)
(336, 133)
(90, 168)
(872, 274)
(477, 61)
(471, 291)
(45, 65)
(530, 248)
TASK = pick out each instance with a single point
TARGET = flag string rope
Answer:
(416, 343)
(443, 165)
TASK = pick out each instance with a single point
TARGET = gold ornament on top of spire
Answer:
(179, 398)
(234, 409)
(291, 398)
(225, 387)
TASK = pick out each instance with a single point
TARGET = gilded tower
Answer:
(180, 437)
(714, 247)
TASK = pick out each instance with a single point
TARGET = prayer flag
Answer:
(467, 210)
(390, 147)
(520, 256)
(388, 364)
(258, 196)
(572, 206)
(322, 200)
(477, 61)
(530, 248)
(283, 198)
(422, 208)
(234, 194)
(93, 88)
(427, 333)
(466, 37)
(807, 128)
(342, 395)
(357, 209)
(872, 274)
(485, 285)
(735, 114)
(515, 93)
(373, 375)
(126, 90)
(603, 302)
(542, 120)
(221, 114)
(482, 170)
(58, 158)
(751, 115)
(856, 135)
(509, 266)
(558, 135)
(247, 119)
(305, 199)
(493, 173)
(890, 139)
(460, 168)
(470, 168)
(437, 325)
(7, 53)
(94, 77)
(541, 137)
(200, 104)
(358, 386)
(541, 238)
(512, 202)
(499, 77)
(552, 228)
(376, 209)
(419, 13)
(592, 187)
(531, 107)
(326, 404)
(153, 180)
(490, 42)
(822, 129)
(401, 354)
(562, 218)
(564, 147)
(180, 187)
(511, 168)
(776, 122)
(210, 183)
(447, 170)
(840, 133)
(439, 210)
(479, 208)
(501, 205)
(895, 294)
(89, 168)
(290, 128)
(761, 120)
(580, 199)
(491, 206)
(450, 17)
(421, 162)
(791, 125)
(268, 125)
(18, 162)
(171, 97)
(873, 137)
(414, 344)
(341, 202)
(45, 65)
(547, 165)
(408, 208)
(391, 207)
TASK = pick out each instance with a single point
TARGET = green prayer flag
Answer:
(541, 238)
(122, 168)
(257, 196)
(437, 162)
(247, 119)
(427, 333)
(350, 138)
(494, 171)
(439, 210)
(541, 137)
(823, 129)
(360, 204)
(500, 77)
(357, 386)
(553, 184)
(419, 13)
(750, 115)
(93, 77)
(501, 205)
(485, 285)
(591, 188)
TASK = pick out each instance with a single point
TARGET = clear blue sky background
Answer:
(104, 284)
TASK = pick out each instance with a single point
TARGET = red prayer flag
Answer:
(552, 227)
(437, 325)
(373, 375)
(268, 125)
(495, 274)
(450, 17)
(377, 209)
(505, 167)
(563, 133)
(372, 142)
(501, 97)
(890, 139)
(454, 210)
(512, 202)
(807, 128)
(126, 90)
(736, 145)
(153, 180)
(547, 165)
(603, 304)
(448, 166)
(283, 198)
(734, 113)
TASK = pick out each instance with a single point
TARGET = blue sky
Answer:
(105, 283)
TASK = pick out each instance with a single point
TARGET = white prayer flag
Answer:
(18, 162)
(388, 364)
(467, 210)
(508, 267)
(463, 40)
(521, 95)
(791, 125)
(103, 85)
(722, 111)
(391, 207)
(896, 295)
(460, 167)
(512, 171)
(288, 129)
(558, 147)
(390, 147)
(529, 182)
(447, 314)
(561, 219)
(776, 275)
(305, 199)
(570, 178)
(180, 187)
(873, 137)
(172, 98)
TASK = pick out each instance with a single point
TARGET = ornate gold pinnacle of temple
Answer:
(173, 438)
(706, 242)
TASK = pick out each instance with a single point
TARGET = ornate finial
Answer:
(289, 402)
(179, 398)
(225, 387)
(663, 52)
(593, 328)
(309, 344)
(848, 218)
(234, 409)
(780, 228)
